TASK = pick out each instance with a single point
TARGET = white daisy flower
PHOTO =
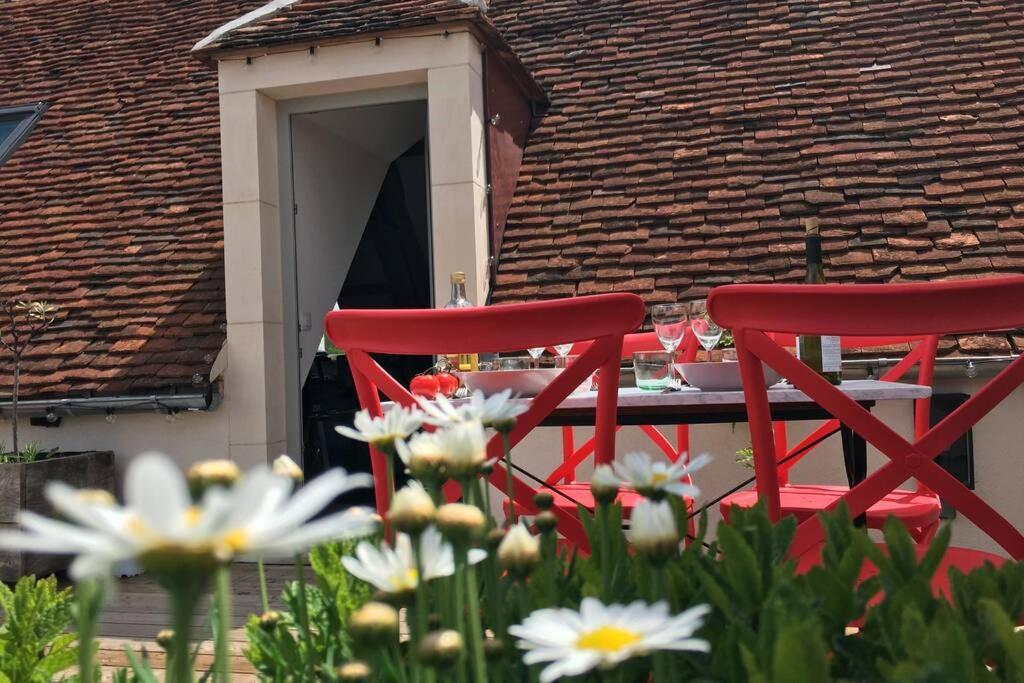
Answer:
(604, 636)
(498, 411)
(652, 529)
(655, 479)
(464, 445)
(382, 432)
(423, 455)
(160, 526)
(604, 484)
(393, 570)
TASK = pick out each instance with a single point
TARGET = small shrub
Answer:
(34, 645)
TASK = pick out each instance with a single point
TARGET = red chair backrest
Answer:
(646, 341)
(925, 309)
(604, 319)
(923, 354)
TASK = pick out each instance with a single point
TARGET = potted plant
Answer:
(26, 469)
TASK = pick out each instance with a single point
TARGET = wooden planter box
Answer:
(22, 487)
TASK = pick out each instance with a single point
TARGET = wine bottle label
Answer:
(831, 355)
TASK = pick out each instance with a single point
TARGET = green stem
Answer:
(523, 607)
(476, 631)
(222, 657)
(89, 596)
(507, 444)
(659, 592)
(399, 666)
(184, 597)
(419, 609)
(460, 611)
(264, 595)
(494, 602)
(605, 545)
(305, 632)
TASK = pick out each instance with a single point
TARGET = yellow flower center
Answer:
(409, 581)
(192, 516)
(658, 478)
(236, 540)
(607, 639)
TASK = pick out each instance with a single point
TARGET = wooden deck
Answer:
(138, 610)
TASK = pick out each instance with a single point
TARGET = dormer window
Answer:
(15, 125)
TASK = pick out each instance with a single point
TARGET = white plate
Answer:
(523, 383)
(720, 376)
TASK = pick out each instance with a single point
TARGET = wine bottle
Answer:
(821, 354)
(464, 362)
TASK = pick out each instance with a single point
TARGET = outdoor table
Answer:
(693, 406)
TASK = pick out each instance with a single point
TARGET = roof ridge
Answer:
(266, 10)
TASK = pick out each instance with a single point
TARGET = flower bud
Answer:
(412, 510)
(424, 457)
(519, 552)
(269, 620)
(494, 648)
(164, 639)
(374, 624)
(494, 538)
(546, 522)
(653, 530)
(461, 523)
(441, 649)
(353, 671)
(604, 485)
(209, 473)
(286, 467)
(543, 500)
(465, 448)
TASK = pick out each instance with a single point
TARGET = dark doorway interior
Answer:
(391, 269)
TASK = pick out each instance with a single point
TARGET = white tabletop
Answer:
(857, 389)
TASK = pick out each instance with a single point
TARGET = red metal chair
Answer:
(565, 475)
(918, 509)
(875, 310)
(605, 319)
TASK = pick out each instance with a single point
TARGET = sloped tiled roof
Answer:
(112, 207)
(314, 20)
(687, 139)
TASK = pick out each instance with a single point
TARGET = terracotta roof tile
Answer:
(111, 208)
(687, 140)
(316, 20)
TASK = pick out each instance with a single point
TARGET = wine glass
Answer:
(707, 331)
(535, 353)
(563, 351)
(670, 327)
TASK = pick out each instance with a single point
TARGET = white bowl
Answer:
(523, 383)
(720, 376)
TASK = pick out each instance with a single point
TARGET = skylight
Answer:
(15, 125)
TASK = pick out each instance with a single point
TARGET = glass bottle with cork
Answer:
(821, 354)
(464, 362)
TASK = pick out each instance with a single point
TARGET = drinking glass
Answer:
(707, 331)
(514, 363)
(535, 353)
(563, 350)
(670, 327)
(652, 369)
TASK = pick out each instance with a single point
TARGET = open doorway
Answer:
(362, 240)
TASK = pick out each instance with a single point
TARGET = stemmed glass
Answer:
(535, 353)
(670, 327)
(707, 331)
(563, 351)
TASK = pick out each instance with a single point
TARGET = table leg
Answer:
(855, 458)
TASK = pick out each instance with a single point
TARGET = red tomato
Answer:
(447, 383)
(426, 386)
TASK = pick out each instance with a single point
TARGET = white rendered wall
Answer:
(192, 436)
